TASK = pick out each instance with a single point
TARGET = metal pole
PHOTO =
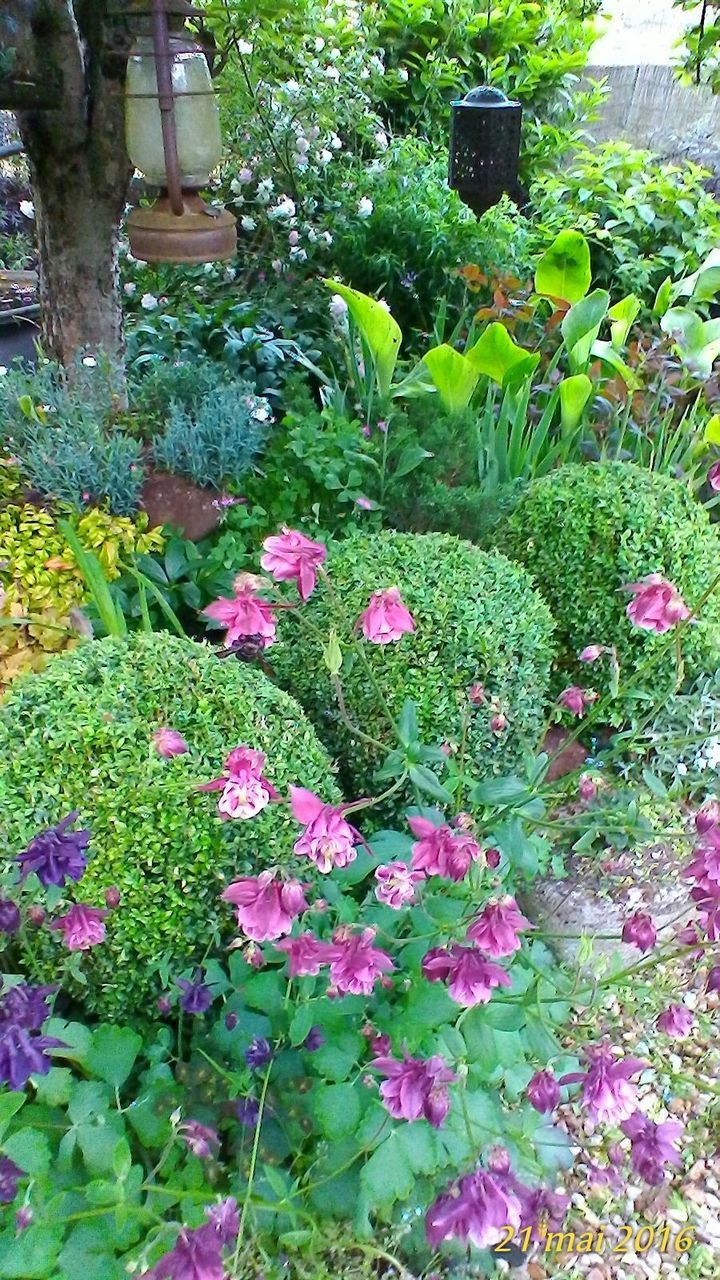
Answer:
(163, 72)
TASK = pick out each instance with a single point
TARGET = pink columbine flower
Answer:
(355, 964)
(652, 1146)
(470, 977)
(543, 1091)
(306, 955)
(386, 618)
(292, 556)
(656, 605)
(707, 817)
(416, 1087)
(266, 906)
(477, 1210)
(607, 1089)
(440, 851)
(82, 927)
(496, 929)
(713, 476)
(575, 700)
(591, 652)
(244, 614)
(245, 789)
(676, 1021)
(639, 931)
(396, 883)
(199, 1138)
(168, 742)
(328, 840)
(587, 787)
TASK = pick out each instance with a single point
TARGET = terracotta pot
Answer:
(182, 504)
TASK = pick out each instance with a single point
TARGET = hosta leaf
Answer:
(563, 273)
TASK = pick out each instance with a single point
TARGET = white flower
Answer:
(338, 307)
(403, 74)
(335, 142)
(327, 237)
(229, 275)
(331, 73)
(277, 266)
(90, 362)
(285, 208)
(130, 288)
(292, 88)
(319, 44)
(313, 133)
(302, 145)
(148, 302)
(381, 140)
(682, 769)
(245, 175)
(129, 257)
(247, 223)
(27, 208)
(377, 65)
(262, 412)
(365, 207)
(3, 370)
(325, 156)
(244, 47)
(264, 190)
(298, 255)
(294, 237)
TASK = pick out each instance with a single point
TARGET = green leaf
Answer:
(429, 783)
(380, 331)
(391, 1171)
(409, 459)
(30, 1150)
(408, 723)
(711, 434)
(581, 325)
(302, 1020)
(113, 618)
(10, 1104)
(655, 784)
(606, 352)
(55, 1088)
(495, 354)
(88, 1253)
(663, 297)
(501, 791)
(332, 654)
(703, 284)
(337, 1109)
(112, 1053)
(575, 392)
(32, 1254)
(563, 273)
(453, 375)
(622, 315)
(697, 341)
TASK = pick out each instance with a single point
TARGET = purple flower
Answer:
(474, 1210)
(247, 1111)
(607, 1089)
(196, 995)
(653, 1146)
(25, 1007)
(676, 1021)
(9, 916)
(496, 930)
(231, 1021)
(82, 927)
(22, 1054)
(23, 1218)
(471, 978)
(10, 1175)
(199, 1139)
(639, 931)
(225, 1219)
(415, 1087)
(314, 1040)
(56, 855)
(197, 1254)
(259, 1053)
(543, 1091)
(163, 1005)
(713, 979)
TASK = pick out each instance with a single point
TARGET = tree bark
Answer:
(79, 168)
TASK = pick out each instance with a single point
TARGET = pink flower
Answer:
(385, 618)
(707, 817)
(328, 840)
(591, 652)
(676, 1021)
(543, 1091)
(82, 927)
(496, 929)
(293, 556)
(306, 955)
(639, 931)
(713, 476)
(477, 1210)
(245, 789)
(168, 742)
(415, 1087)
(498, 722)
(355, 964)
(476, 694)
(440, 851)
(396, 883)
(244, 615)
(607, 1090)
(657, 605)
(587, 787)
(471, 978)
(575, 699)
(266, 907)
(653, 1146)
(201, 1140)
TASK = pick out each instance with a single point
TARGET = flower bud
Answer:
(36, 915)
(543, 1091)
(112, 897)
(587, 787)
(639, 931)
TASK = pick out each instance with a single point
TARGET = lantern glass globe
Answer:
(197, 119)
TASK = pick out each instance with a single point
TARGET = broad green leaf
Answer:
(495, 353)
(88, 1253)
(622, 315)
(703, 284)
(30, 1149)
(606, 352)
(380, 331)
(302, 1020)
(391, 1170)
(574, 395)
(697, 341)
(31, 1255)
(453, 375)
(10, 1104)
(712, 430)
(332, 653)
(563, 273)
(410, 458)
(663, 297)
(429, 783)
(337, 1109)
(581, 325)
(55, 1088)
(408, 723)
(113, 1052)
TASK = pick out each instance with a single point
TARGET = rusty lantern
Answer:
(485, 148)
(173, 138)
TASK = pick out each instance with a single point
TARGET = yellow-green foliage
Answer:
(40, 580)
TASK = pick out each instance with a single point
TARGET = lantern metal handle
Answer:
(166, 102)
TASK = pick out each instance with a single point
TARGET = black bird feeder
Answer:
(485, 148)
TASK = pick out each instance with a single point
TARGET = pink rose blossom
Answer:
(266, 907)
(245, 789)
(168, 742)
(607, 1090)
(591, 652)
(496, 930)
(396, 883)
(386, 618)
(639, 931)
(328, 840)
(415, 1088)
(471, 978)
(82, 927)
(440, 851)
(657, 604)
(306, 955)
(676, 1021)
(245, 614)
(713, 476)
(292, 556)
(575, 700)
(355, 964)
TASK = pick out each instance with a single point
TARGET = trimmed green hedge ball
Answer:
(78, 736)
(478, 621)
